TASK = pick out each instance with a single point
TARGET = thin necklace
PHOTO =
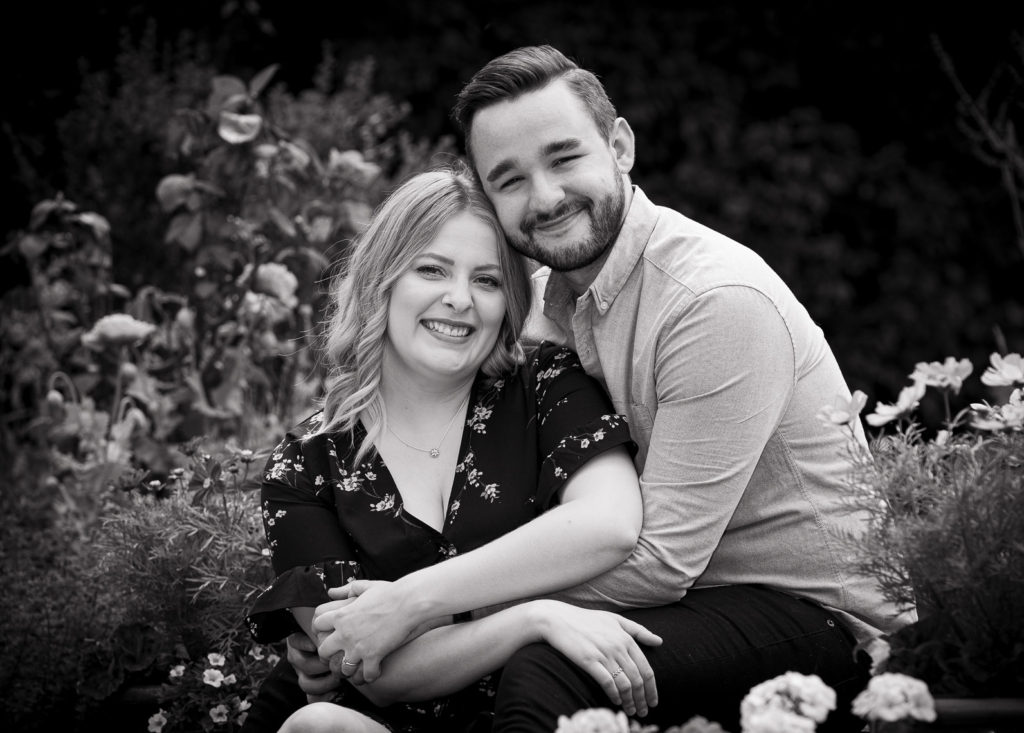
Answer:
(434, 452)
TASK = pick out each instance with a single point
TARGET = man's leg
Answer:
(718, 643)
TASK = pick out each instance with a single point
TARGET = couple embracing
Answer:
(599, 485)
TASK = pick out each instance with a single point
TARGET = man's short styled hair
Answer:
(528, 69)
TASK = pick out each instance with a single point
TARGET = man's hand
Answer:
(315, 676)
(370, 623)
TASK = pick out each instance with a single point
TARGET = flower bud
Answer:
(54, 398)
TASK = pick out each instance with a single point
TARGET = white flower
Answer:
(949, 373)
(593, 720)
(213, 677)
(699, 724)
(891, 696)
(117, 329)
(157, 721)
(273, 659)
(230, 679)
(275, 279)
(351, 164)
(215, 659)
(236, 128)
(775, 720)
(805, 696)
(907, 401)
(844, 411)
(243, 705)
(1005, 370)
(219, 713)
(177, 671)
(257, 652)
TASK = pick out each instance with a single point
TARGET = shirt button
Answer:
(604, 305)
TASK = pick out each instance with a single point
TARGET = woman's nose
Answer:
(457, 295)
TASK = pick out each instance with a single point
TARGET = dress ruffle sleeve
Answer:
(270, 619)
(577, 420)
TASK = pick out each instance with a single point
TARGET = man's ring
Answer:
(615, 674)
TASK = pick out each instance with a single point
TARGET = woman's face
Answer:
(447, 308)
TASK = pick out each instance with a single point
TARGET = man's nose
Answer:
(545, 194)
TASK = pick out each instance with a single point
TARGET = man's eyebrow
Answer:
(558, 146)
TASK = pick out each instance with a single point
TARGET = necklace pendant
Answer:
(434, 452)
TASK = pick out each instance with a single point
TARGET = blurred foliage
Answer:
(133, 412)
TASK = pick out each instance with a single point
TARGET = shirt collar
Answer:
(625, 252)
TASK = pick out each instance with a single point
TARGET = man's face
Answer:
(555, 181)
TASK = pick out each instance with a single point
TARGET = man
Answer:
(721, 372)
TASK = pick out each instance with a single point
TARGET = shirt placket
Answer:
(583, 333)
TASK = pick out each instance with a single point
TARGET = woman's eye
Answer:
(489, 281)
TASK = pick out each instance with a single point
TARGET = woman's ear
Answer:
(623, 145)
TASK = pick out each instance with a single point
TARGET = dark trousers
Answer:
(718, 643)
(279, 697)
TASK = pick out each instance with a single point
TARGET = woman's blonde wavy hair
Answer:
(401, 227)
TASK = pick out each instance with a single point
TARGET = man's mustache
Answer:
(539, 219)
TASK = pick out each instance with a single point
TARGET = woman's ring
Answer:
(615, 674)
(345, 662)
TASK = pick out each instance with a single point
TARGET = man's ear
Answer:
(623, 145)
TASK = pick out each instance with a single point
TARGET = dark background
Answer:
(822, 135)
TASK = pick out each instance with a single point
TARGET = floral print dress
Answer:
(329, 520)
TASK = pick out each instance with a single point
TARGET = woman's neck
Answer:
(417, 405)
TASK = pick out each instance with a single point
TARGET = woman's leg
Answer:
(326, 717)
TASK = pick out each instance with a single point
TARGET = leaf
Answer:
(260, 81)
(283, 222)
(31, 246)
(42, 210)
(224, 88)
(173, 190)
(186, 229)
(99, 225)
(237, 129)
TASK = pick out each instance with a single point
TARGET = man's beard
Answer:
(605, 216)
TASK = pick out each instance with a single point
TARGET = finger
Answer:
(603, 677)
(623, 677)
(300, 642)
(371, 668)
(357, 678)
(642, 634)
(321, 684)
(341, 664)
(305, 663)
(339, 593)
(648, 691)
(330, 646)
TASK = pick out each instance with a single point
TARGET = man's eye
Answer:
(509, 183)
(566, 159)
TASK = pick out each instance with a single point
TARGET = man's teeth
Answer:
(446, 328)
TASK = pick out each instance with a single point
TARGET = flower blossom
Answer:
(949, 373)
(277, 280)
(177, 671)
(697, 724)
(593, 720)
(906, 402)
(775, 720)
(219, 713)
(157, 721)
(890, 696)
(1004, 417)
(804, 696)
(236, 129)
(213, 677)
(844, 411)
(1005, 370)
(215, 659)
(117, 329)
(351, 164)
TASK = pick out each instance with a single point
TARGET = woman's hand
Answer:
(606, 646)
(367, 622)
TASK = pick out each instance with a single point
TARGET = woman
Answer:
(382, 485)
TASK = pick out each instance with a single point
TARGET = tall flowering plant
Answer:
(945, 525)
